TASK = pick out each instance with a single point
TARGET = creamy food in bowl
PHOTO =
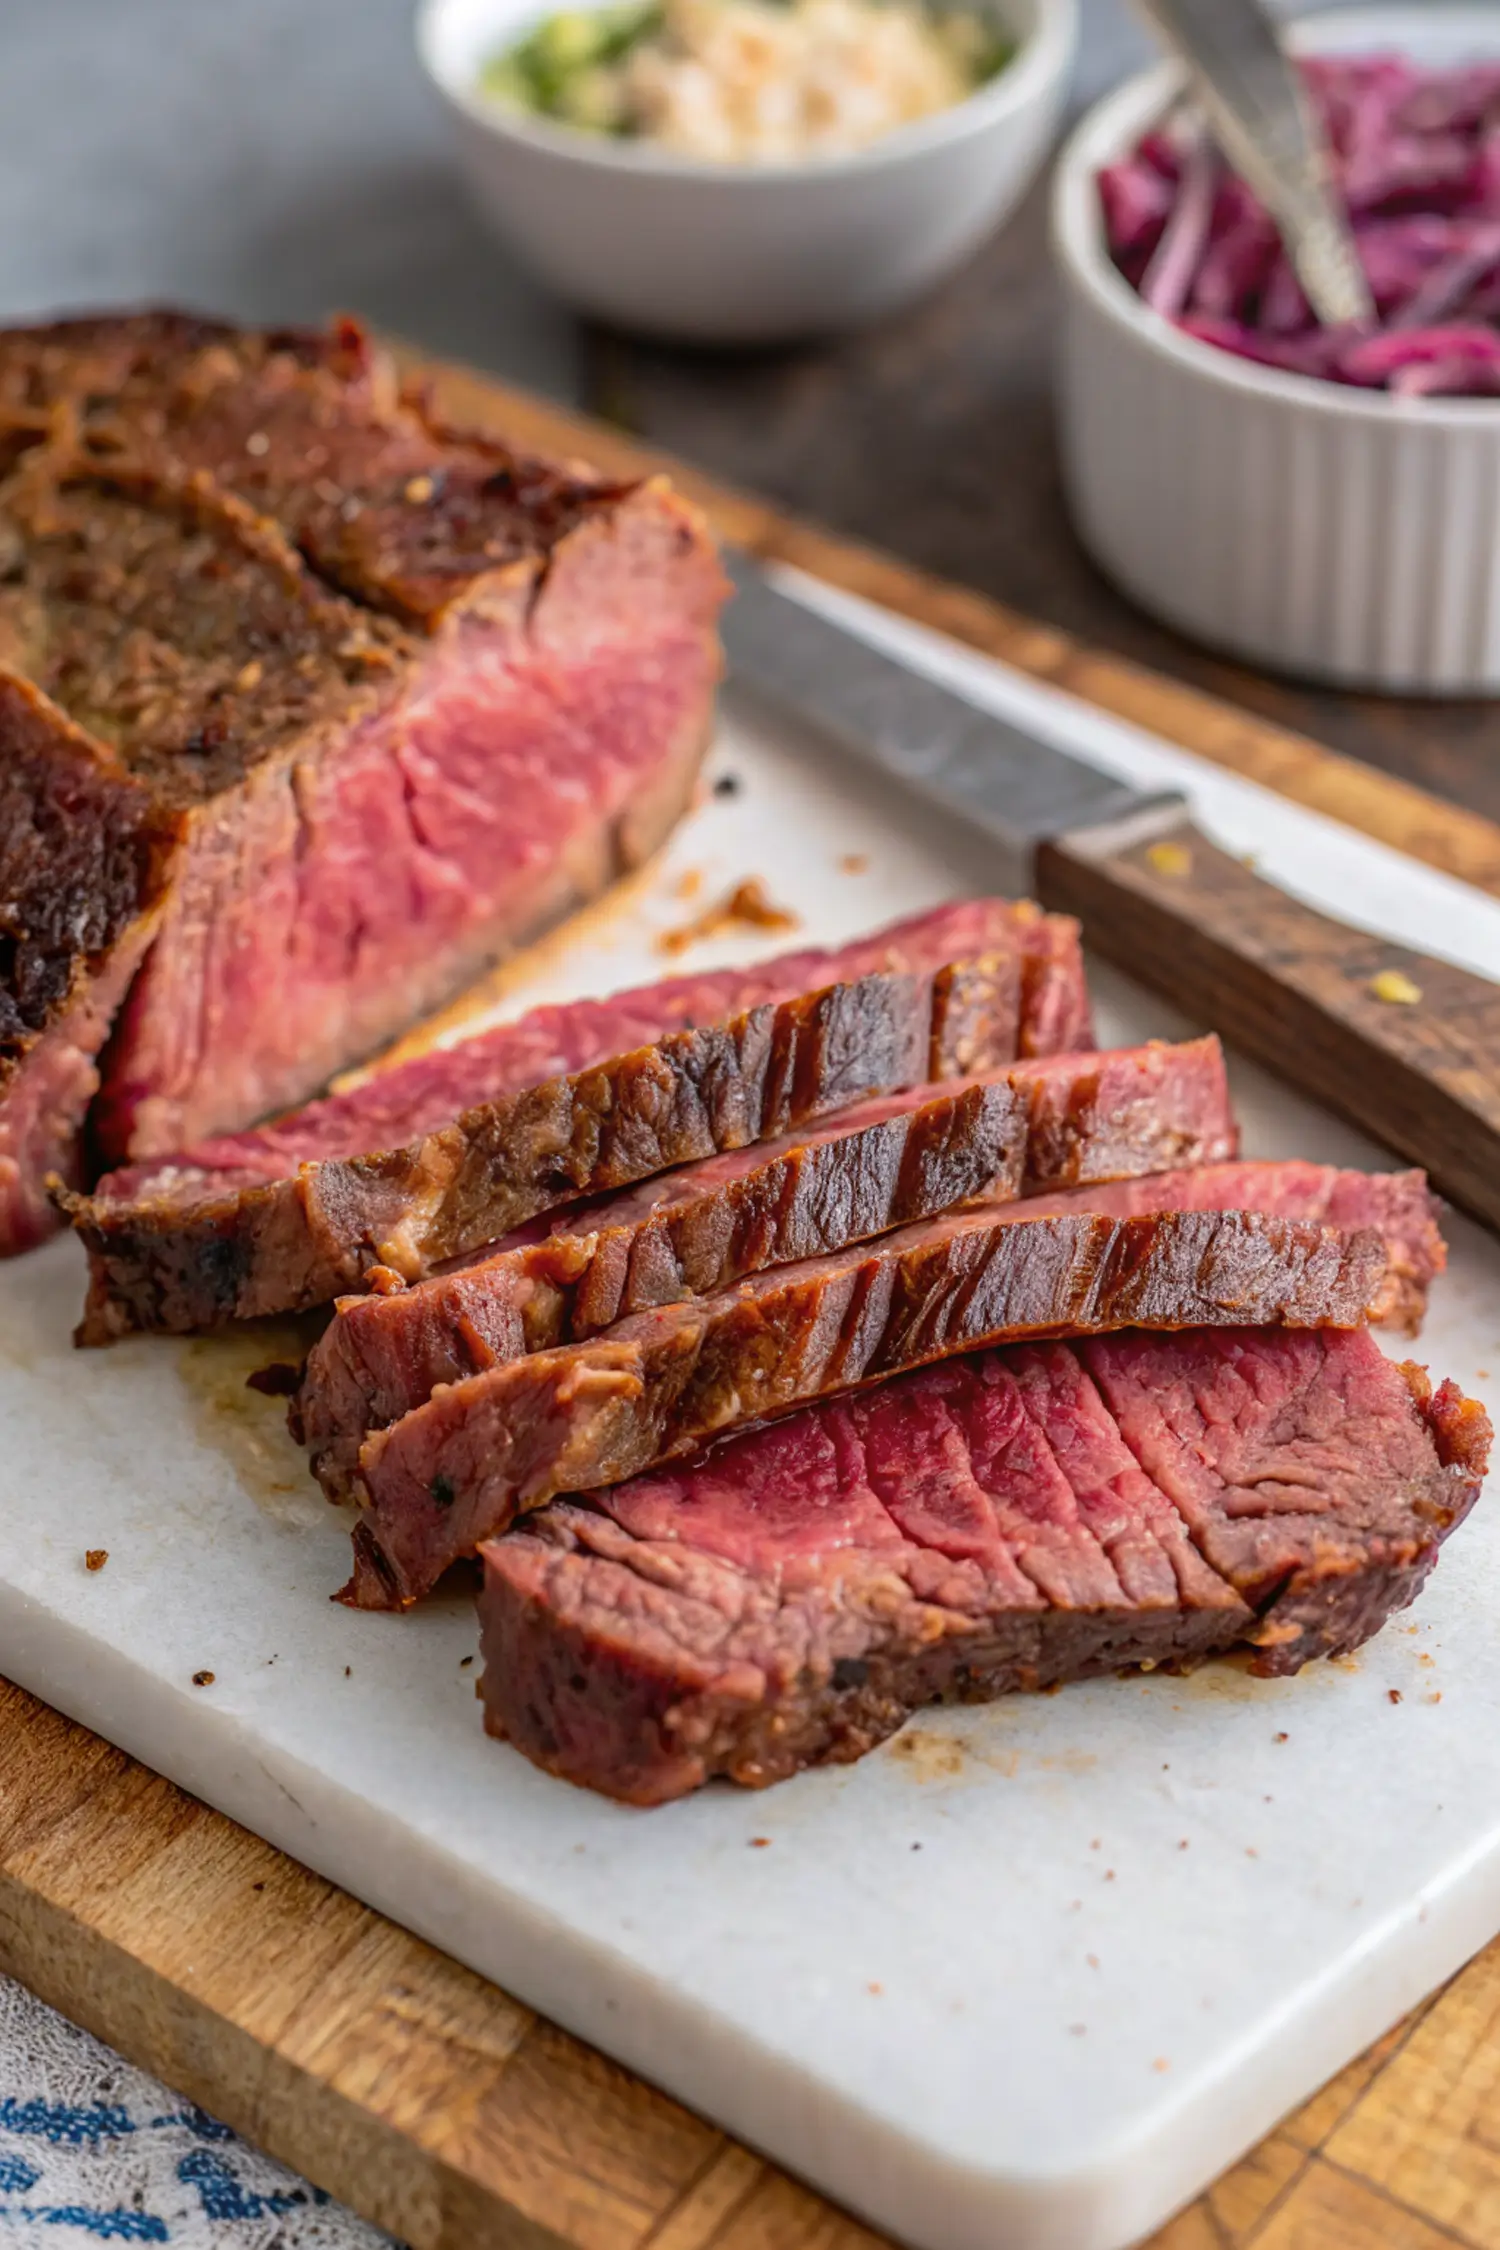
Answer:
(749, 81)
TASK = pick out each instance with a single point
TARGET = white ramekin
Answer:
(719, 253)
(1337, 534)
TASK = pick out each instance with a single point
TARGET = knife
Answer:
(1404, 1046)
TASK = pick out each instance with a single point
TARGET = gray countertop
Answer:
(274, 159)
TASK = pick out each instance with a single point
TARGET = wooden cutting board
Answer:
(441, 2109)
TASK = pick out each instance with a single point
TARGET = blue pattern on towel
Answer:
(94, 2152)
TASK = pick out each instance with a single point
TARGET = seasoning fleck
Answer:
(249, 675)
(96, 1558)
(257, 443)
(348, 1671)
(419, 489)
(1396, 989)
(203, 1679)
(727, 785)
(1170, 859)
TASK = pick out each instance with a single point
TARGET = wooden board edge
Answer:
(440, 2109)
(1411, 820)
(383, 2071)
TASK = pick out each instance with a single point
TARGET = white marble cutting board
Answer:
(1023, 1980)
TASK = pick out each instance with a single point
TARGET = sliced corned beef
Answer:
(83, 865)
(233, 1227)
(1009, 1521)
(691, 1233)
(182, 1259)
(379, 805)
(655, 1387)
(1398, 1205)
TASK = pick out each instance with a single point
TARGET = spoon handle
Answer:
(1260, 114)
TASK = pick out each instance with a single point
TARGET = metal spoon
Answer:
(1261, 117)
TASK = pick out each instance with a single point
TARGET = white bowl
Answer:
(734, 253)
(1341, 535)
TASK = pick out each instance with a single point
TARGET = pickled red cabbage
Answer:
(1416, 163)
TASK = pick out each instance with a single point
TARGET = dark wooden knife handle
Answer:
(1402, 1045)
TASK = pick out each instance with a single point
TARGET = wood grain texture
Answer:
(443, 2110)
(448, 2113)
(1405, 1046)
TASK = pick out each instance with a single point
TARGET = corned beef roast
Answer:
(1008, 1521)
(658, 1385)
(83, 865)
(692, 1233)
(404, 698)
(449, 1151)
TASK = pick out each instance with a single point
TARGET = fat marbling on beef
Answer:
(1054, 1123)
(450, 1150)
(401, 699)
(1009, 1521)
(659, 1385)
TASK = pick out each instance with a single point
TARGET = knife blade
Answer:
(1016, 789)
(1404, 1045)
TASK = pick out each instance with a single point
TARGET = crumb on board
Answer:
(95, 1558)
(727, 785)
(348, 1671)
(855, 863)
(203, 1679)
(1281, 1738)
(748, 905)
(1394, 1694)
(759, 1843)
(1170, 859)
(464, 1662)
(689, 883)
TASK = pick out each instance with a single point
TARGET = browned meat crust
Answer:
(657, 1386)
